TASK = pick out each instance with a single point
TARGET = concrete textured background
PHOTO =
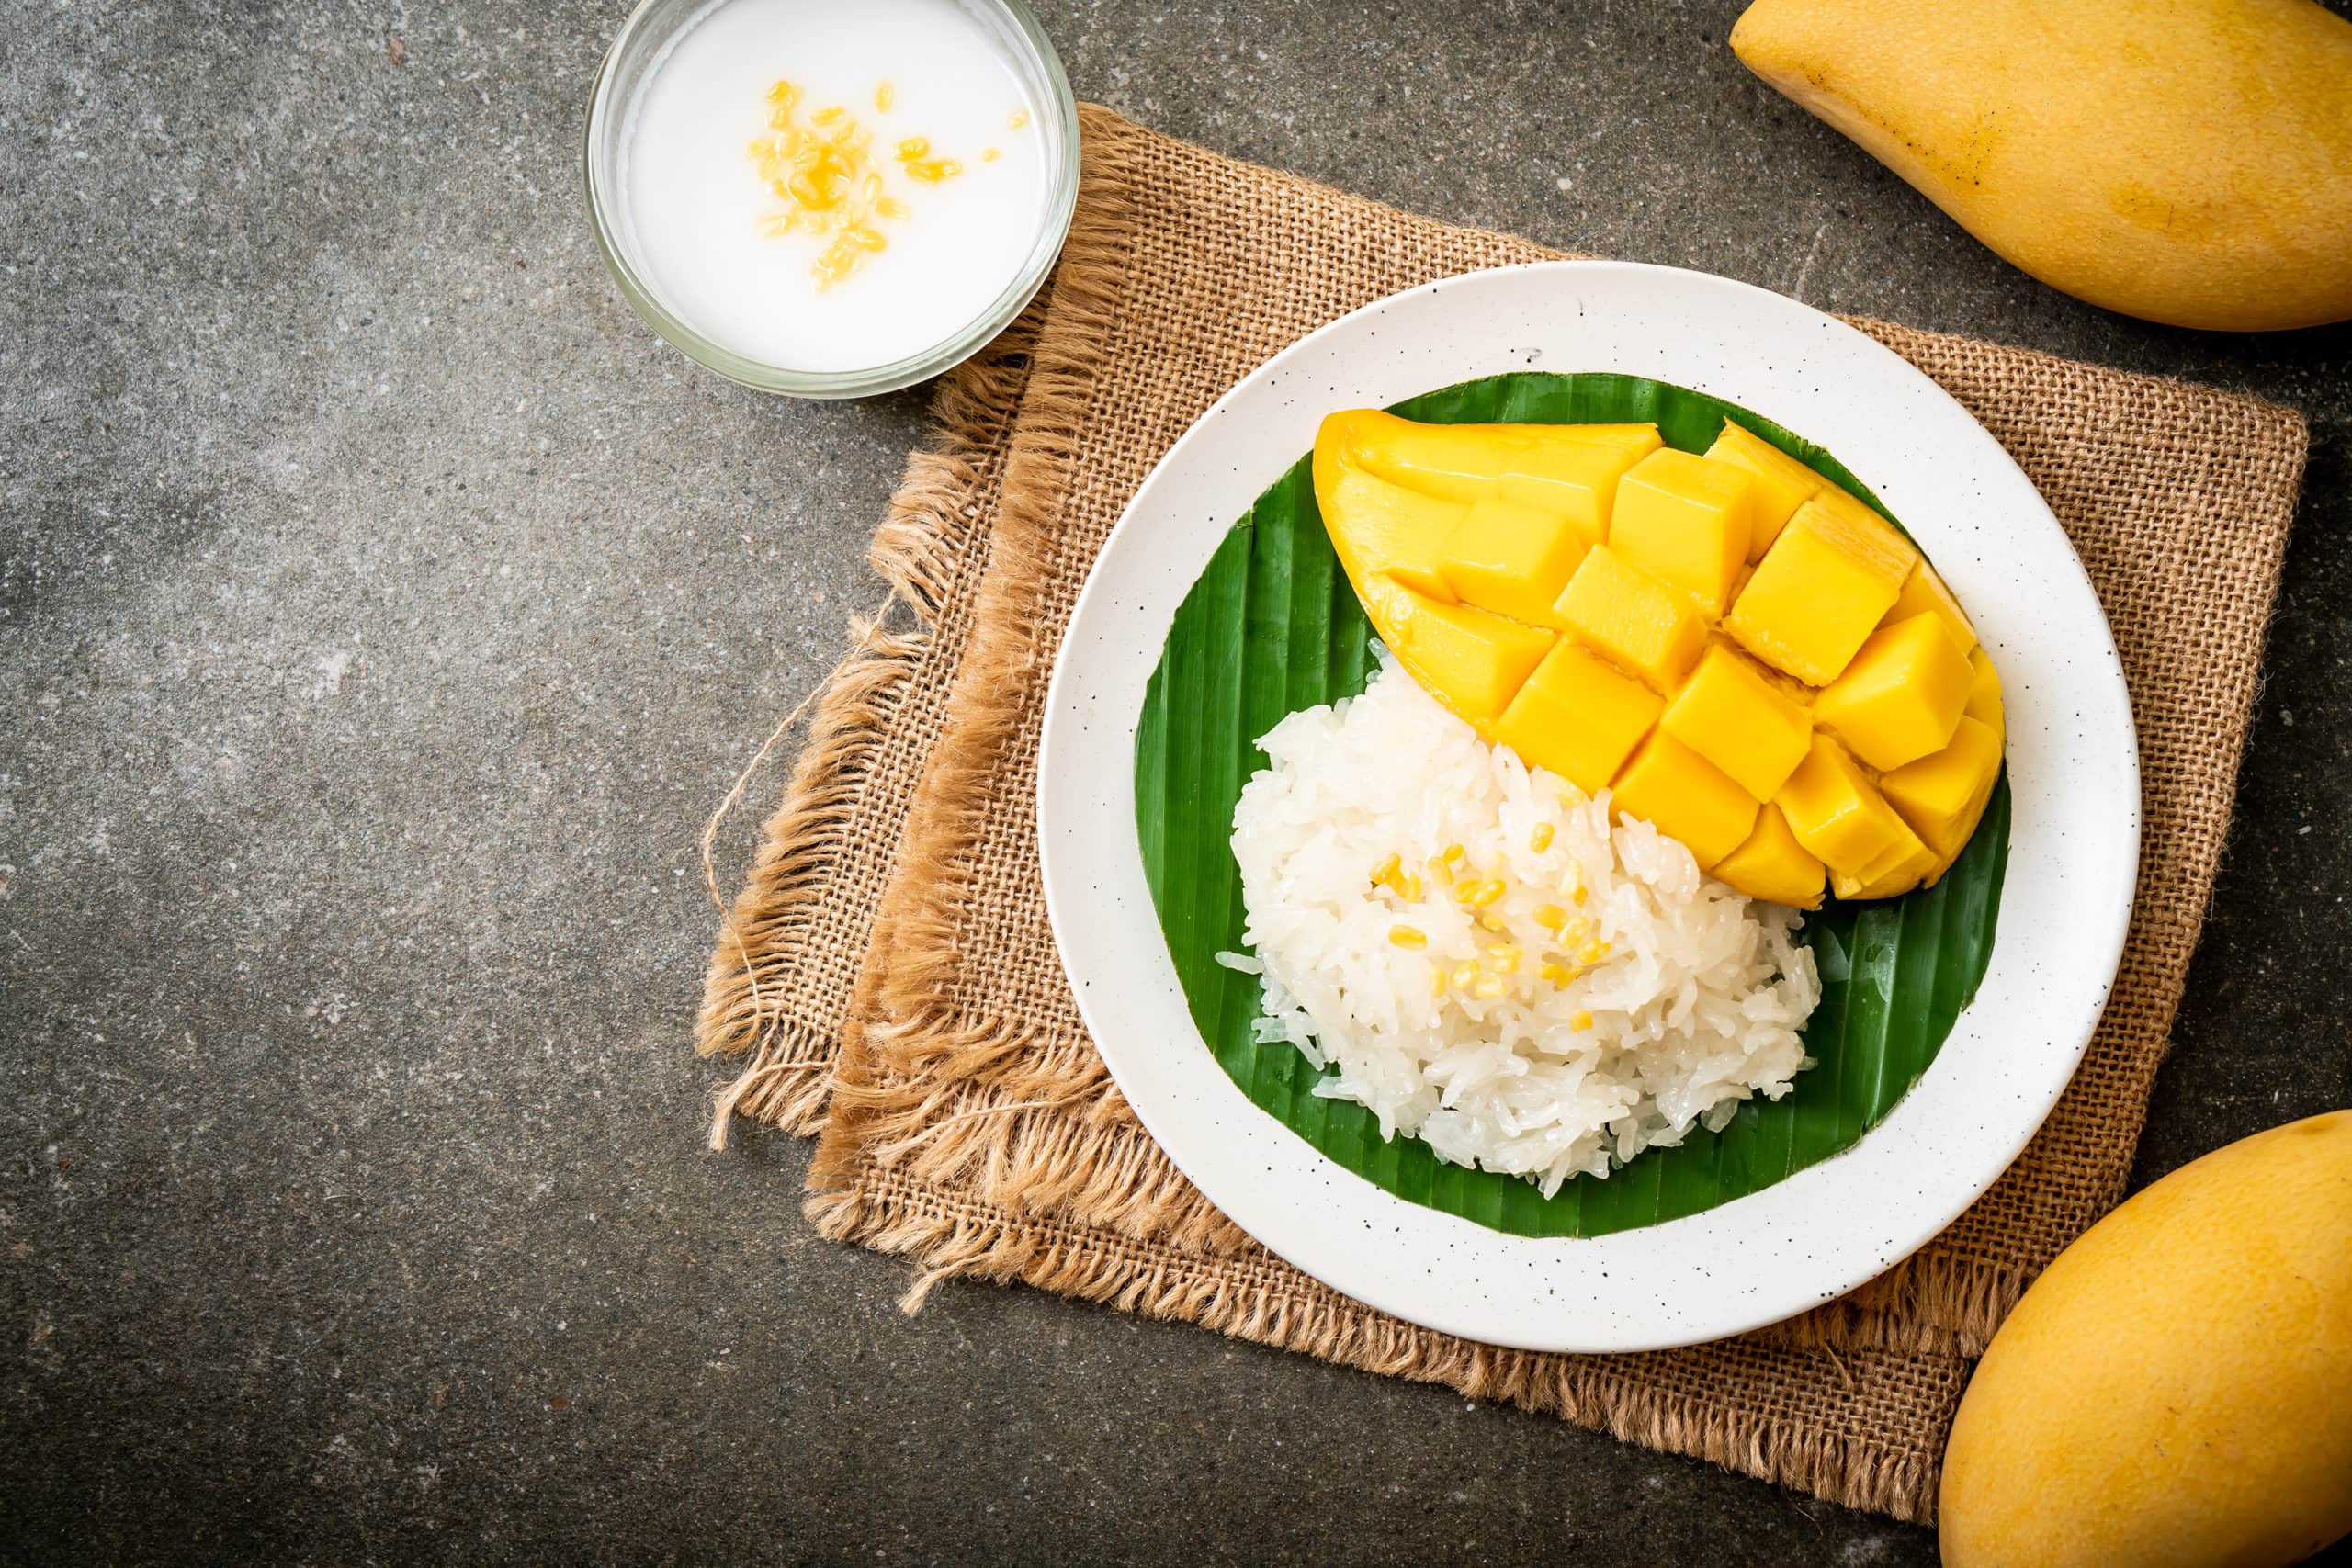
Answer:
(381, 610)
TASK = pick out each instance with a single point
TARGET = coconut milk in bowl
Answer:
(830, 200)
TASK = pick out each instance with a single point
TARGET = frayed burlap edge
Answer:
(784, 1085)
(912, 954)
(923, 542)
(949, 1238)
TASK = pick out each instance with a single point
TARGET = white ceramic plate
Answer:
(2073, 773)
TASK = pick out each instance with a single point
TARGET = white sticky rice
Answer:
(1693, 1006)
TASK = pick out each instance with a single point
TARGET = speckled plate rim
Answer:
(2074, 769)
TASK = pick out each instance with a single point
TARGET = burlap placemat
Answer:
(891, 947)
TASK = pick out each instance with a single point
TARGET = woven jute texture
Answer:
(889, 972)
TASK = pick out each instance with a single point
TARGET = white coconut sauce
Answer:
(873, 206)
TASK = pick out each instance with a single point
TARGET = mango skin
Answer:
(2176, 1387)
(2188, 162)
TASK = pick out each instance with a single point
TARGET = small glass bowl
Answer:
(639, 46)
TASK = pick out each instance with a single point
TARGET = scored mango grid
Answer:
(1454, 535)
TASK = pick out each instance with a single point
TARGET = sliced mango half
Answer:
(1749, 658)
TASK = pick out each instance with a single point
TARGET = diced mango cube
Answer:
(1865, 521)
(1625, 614)
(1782, 484)
(1962, 831)
(1512, 559)
(1820, 590)
(1378, 527)
(1772, 866)
(1835, 812)
(1984, 692)
(1901, 694)
(1924, 593)
(1898, 870)
(1686, 797)
(1943, 795)
(1685, 521)
(1579, 480)
(1579, 717)
(1732, 715)
(1471, 660)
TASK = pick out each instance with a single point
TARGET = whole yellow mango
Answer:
(2176, 1389)
(2184, 161)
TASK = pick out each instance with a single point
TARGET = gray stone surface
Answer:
(383, 608)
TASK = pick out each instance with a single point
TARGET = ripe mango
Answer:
(2176, 1387)
(2184, 161)
(1561, 588)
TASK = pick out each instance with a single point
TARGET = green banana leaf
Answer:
(1273, 626)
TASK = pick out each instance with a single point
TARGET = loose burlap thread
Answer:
(904, 997)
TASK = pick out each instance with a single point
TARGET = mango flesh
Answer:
(1474, 661)
(1579, 716)
(1470, 462)
(2176, 1387)
(1624, 614)
(1984, 693)
(1782, 484)
(1817, 594)
(1739, 720)
(1686, 521)
(1585, 596)
(1924, 593)
(2184, 161)
(1895, 871)
(1837, 814)
(1403, 530)
(1682, 794)
(1772, 864)
(1941, 797)
(1902, 695)
(1514, 559)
